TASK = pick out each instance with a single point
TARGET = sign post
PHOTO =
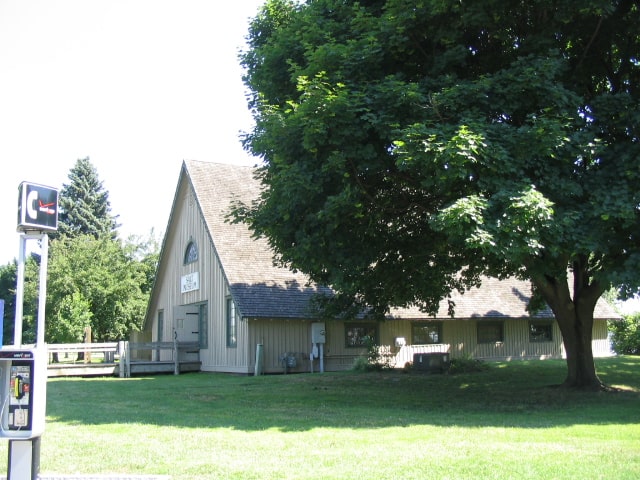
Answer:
(1, 322)
(23, 377)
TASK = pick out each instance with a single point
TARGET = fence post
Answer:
(87, 349)
(127, 347)
(123, 356)
(127, 359)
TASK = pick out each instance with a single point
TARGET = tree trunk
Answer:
(574, 313)
(577, 336)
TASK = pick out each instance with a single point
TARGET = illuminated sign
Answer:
(37, 207)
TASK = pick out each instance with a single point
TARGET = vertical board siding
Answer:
(219, 357)
(337, 356)
(601, 341)
(460, 339)
(189, 226)
(280, 337)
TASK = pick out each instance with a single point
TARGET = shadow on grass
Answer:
(515, 394)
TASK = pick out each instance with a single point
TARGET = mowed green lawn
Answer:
(507, 422)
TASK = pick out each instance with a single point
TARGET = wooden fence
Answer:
(143, 362)
(119, 358)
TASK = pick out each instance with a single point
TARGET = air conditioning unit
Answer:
(431, 362)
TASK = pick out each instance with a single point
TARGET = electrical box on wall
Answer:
(23, 380)
(318, 332)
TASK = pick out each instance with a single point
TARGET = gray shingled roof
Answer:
(262, 290)
(497, 299)
(258, 287)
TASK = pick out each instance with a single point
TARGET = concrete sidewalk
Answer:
(100, 477)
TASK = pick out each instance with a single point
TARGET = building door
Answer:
(186, 325)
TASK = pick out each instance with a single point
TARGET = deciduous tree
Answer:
(94, 278)
(411, 147)
(94, 282)
(8, 286)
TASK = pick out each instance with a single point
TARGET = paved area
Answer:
(101, 477)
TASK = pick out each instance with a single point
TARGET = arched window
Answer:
(191, 253)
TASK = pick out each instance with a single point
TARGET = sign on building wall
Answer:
(190, 282)
(37, 207)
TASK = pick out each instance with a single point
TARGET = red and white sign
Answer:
(37, 208)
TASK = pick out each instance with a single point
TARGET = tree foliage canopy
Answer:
(411, 147)
(94, 279)
(84, 204)
(97, 283)
(625, 335)
(8, 284)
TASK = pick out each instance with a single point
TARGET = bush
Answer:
(625, 335)
(361, 364)
(374, 360)
(466, 364)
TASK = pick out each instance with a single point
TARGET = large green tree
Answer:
(84, 207)
(8, 284)
(7, 293)
(94, 278)
(411, 147)
(94, 282)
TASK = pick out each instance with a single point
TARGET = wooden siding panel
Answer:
(459, 339)
(188, 226)
(337, 355)
(277, 338)
(219, 357)
(601, 341)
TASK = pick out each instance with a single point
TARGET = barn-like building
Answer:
(217, 285)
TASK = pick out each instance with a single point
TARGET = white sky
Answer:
(135, 85)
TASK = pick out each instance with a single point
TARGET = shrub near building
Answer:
(625, 335)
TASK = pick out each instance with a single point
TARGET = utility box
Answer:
(23, 383)
(318, 332)
(431, 362)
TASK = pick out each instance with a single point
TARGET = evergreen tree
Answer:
(94, 278)
(84, 207)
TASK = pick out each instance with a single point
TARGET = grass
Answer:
(503, 423)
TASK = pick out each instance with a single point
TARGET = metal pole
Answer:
(17, 328)
(24, 459)
(258, 366)
(2, 322)
(42, 293)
